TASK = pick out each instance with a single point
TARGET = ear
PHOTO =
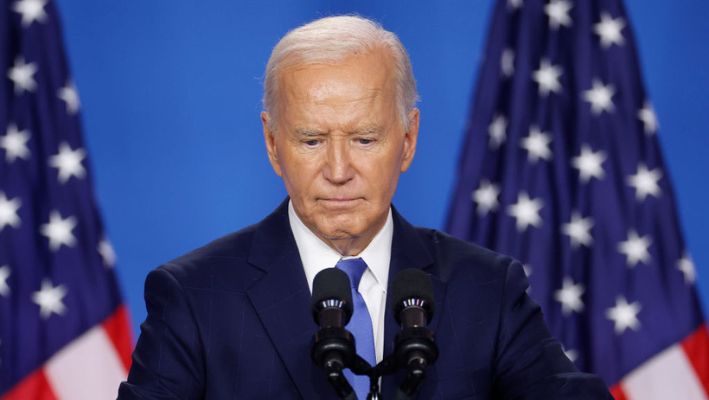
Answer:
(270, 139)
(410, 138)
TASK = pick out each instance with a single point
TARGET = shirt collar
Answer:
(316, 255)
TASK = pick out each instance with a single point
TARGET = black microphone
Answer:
(414, 347)
(332, 298)
(413, 298)
(333, 347)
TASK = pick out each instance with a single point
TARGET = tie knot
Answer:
(354, 268)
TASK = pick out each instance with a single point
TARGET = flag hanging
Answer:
(64, 332)
(561, 168)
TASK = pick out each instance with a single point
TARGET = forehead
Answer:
(356, 78)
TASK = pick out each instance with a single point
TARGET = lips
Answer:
(339, 202)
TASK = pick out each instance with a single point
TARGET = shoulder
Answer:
(220, 264)
(454, 257)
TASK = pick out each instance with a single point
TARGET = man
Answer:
(232, 319)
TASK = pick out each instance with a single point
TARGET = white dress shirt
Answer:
(316, 256)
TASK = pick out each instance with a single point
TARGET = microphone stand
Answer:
(386, 367)
(415, 364)
(415, 350)
(339, 382)
(414, 377)
(333, 349)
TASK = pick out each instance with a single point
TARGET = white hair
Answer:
(331, 40)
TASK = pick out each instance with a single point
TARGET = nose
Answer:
(338, 167)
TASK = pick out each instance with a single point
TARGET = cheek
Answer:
(299, 177)
(385, 173)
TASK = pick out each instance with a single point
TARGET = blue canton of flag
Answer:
(63, 330)
(561, 168)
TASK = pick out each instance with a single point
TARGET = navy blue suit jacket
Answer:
(232, 320)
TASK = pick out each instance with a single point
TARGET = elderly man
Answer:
(232, 319)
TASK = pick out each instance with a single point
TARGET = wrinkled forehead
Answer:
(358, 77)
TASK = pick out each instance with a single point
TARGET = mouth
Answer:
(339, 203)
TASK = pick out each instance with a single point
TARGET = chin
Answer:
(340, 231)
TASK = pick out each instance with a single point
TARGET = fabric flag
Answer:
(562, 169)
(64, 333)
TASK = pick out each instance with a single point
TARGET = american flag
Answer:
(561, 168)
(64, 333)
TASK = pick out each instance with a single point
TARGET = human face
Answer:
(339, 144)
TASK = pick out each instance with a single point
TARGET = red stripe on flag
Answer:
(117, 328)
(617, 393)
(696, 347)
(35, 387)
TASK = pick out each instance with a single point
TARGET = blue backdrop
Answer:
(171, 99)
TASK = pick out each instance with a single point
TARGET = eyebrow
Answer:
(367, 130)
(308, 132)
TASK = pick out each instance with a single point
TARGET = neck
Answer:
(348, 246)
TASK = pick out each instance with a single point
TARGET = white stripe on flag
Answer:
(87, 368)
(668, 375)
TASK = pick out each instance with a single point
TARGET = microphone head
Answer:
(331, 288)
(412, 284)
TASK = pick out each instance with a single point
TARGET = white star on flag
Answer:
(527, 270)
(547, 76)
(578, 230)
(624, 315)
(507, 62)
(31, 10)
(71, 97)
(68, 162)
(514, 4)
(645, 182)
(571, 354)
(497, 131)
(589, 164)
(8, 211)
(558, 12)
(537, 145)
(59, 231)
(649, 119)
(526, 211)
(485, 196)
(635, 248)
(49, 299)
(570, 296)
(686, 266)
(600, 96)
(4, 274)
(15, 143)
(609, 30)
(22, 75)
(107, 253)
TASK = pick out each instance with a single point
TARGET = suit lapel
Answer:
(282, 301)
(408, 250)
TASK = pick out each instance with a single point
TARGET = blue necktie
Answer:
(360, 325)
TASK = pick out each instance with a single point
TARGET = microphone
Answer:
(333, 348)
(413, 298)
(414, 346)
(332, 299)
